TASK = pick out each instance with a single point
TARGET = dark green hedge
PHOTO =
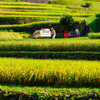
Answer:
(77, 56)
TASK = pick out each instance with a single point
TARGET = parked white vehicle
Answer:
(43, 33)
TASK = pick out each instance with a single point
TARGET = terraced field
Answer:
(20, 17)
(44, 11)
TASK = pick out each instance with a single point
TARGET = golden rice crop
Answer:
(44, 14)
(10, 35)
(49, 72)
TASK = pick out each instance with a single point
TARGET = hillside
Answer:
(19, 16)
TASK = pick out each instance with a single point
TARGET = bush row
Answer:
(94, 35)
(51, 45)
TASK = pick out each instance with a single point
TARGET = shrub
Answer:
(87, 4)
(61, 2)
(67, 20)
(97, 15)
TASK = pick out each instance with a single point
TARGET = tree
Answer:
(67, 20)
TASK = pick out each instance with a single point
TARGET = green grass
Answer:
(49, 93)
(94, 23)
(30, 90)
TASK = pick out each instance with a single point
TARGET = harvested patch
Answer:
(10, 35)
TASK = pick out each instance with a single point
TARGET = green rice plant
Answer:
(29, 17)
(49, 72)
(35, 24)
(32, 7)
(44, 13)
(51, 45)
(94, 35)
(6, 30)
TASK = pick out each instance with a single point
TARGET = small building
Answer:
(35, 1)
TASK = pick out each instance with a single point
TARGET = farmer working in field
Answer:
(87, 27)
(53, 33)
(77, 32)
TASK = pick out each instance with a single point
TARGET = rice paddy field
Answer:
(49, 72)
(48, 79)
(51, 45)
(47, 12)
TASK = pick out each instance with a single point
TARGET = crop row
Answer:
(94, 35)
(49, 72)
(30, 4)
(33, 8)
(33, 24)
(29, 17)
(37, 17)
(44, 14)
(51, 45)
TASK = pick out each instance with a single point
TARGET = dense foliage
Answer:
(67, 20)
(61, 2)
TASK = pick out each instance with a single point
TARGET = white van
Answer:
(43, 33)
